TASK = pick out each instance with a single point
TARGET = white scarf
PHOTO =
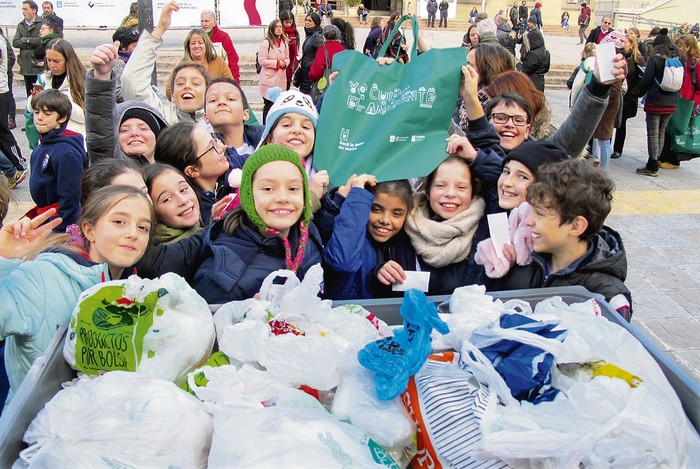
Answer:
(441, 243)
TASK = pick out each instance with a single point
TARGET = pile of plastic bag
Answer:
(297, 382)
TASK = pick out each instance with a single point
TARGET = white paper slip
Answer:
(498, 227)
(417, 280)
(605, 52)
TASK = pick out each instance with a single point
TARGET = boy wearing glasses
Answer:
(598, 34)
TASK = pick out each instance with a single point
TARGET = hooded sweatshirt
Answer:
(56, 171)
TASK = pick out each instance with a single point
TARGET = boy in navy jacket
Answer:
(58, 163)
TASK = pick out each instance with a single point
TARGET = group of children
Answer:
(225, 209)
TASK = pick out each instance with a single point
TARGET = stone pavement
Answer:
(659, 218)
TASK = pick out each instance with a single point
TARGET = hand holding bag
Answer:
(392, 120)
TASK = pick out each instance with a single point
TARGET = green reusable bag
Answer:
(689, 142)
(390, 121)
(681, 118)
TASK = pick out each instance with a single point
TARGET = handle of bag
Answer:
(390, 38)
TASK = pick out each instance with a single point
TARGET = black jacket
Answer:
(536, 62)
(314, 40)
(653, 75)
(602, 269)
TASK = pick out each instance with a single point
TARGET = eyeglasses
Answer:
(501, 118)
(216, 145)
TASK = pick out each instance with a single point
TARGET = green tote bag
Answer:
(390, 121)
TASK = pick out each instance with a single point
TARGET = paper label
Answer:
(498, 228)
(417, 280)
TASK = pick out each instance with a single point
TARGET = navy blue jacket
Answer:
(235, 266)
(56, 170)
(352, 257)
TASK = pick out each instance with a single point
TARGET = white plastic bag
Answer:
(356, 402)
(120, 419)
(319, 339)
(159, 327)
(287, 437)
(601, 422)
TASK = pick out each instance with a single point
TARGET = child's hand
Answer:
(470, 83)
(391, 273)
(318, 181)
(460, 146)
(18, 238)
(103, 59)
(385, 60)
(221, 207)
(165, 19)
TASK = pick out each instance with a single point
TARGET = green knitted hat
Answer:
(263, 155)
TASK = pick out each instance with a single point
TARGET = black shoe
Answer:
(615, 155)
(644, 171)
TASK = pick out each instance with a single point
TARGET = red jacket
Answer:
(316, 70)
(220, 36)
(687, 91)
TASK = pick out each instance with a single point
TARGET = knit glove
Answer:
(520, 238)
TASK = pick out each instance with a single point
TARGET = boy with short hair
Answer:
(227, 111)
(58, 163)
(570, 201)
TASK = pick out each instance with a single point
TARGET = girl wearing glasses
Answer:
(202, 158)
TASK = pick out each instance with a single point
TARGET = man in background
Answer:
(26, 40)
(222, 42)
(50, 14)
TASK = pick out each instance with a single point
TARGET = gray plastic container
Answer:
(49, 372)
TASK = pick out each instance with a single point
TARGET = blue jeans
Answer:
(602, 149)
(6, 166)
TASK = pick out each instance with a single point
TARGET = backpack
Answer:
(673, 75)
(258, 67)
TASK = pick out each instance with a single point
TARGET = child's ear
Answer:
(191, 171)
(87, 232)
(246, 115)
(61, 120)
(578, 226)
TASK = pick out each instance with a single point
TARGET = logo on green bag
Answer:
(374, 101)
(109, 329)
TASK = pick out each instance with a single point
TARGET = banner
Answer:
(108, 14)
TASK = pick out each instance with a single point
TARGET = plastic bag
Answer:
(447, 404)
(356, 402)
(600, 421)
(161, 328)
(286, 437)
(120, 419)
(294, 335)
(395, 359)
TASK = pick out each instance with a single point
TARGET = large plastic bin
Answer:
(50, 371)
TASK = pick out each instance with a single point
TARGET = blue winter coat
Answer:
(352, 257)
(37, 297)
(251, 135)
(235, 266)
(56, 171)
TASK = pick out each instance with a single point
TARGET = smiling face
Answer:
(211, 152)
(197, 48)
(45, 120)
(137, 138)
(511, 135)
(386, 217)
(188, 89)
(174, 200)
(56, 62)
(450, 192)
(548, 234)
(120, 236)
(296, 132)
(278, 192)
(224, 105)
(512, 184)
